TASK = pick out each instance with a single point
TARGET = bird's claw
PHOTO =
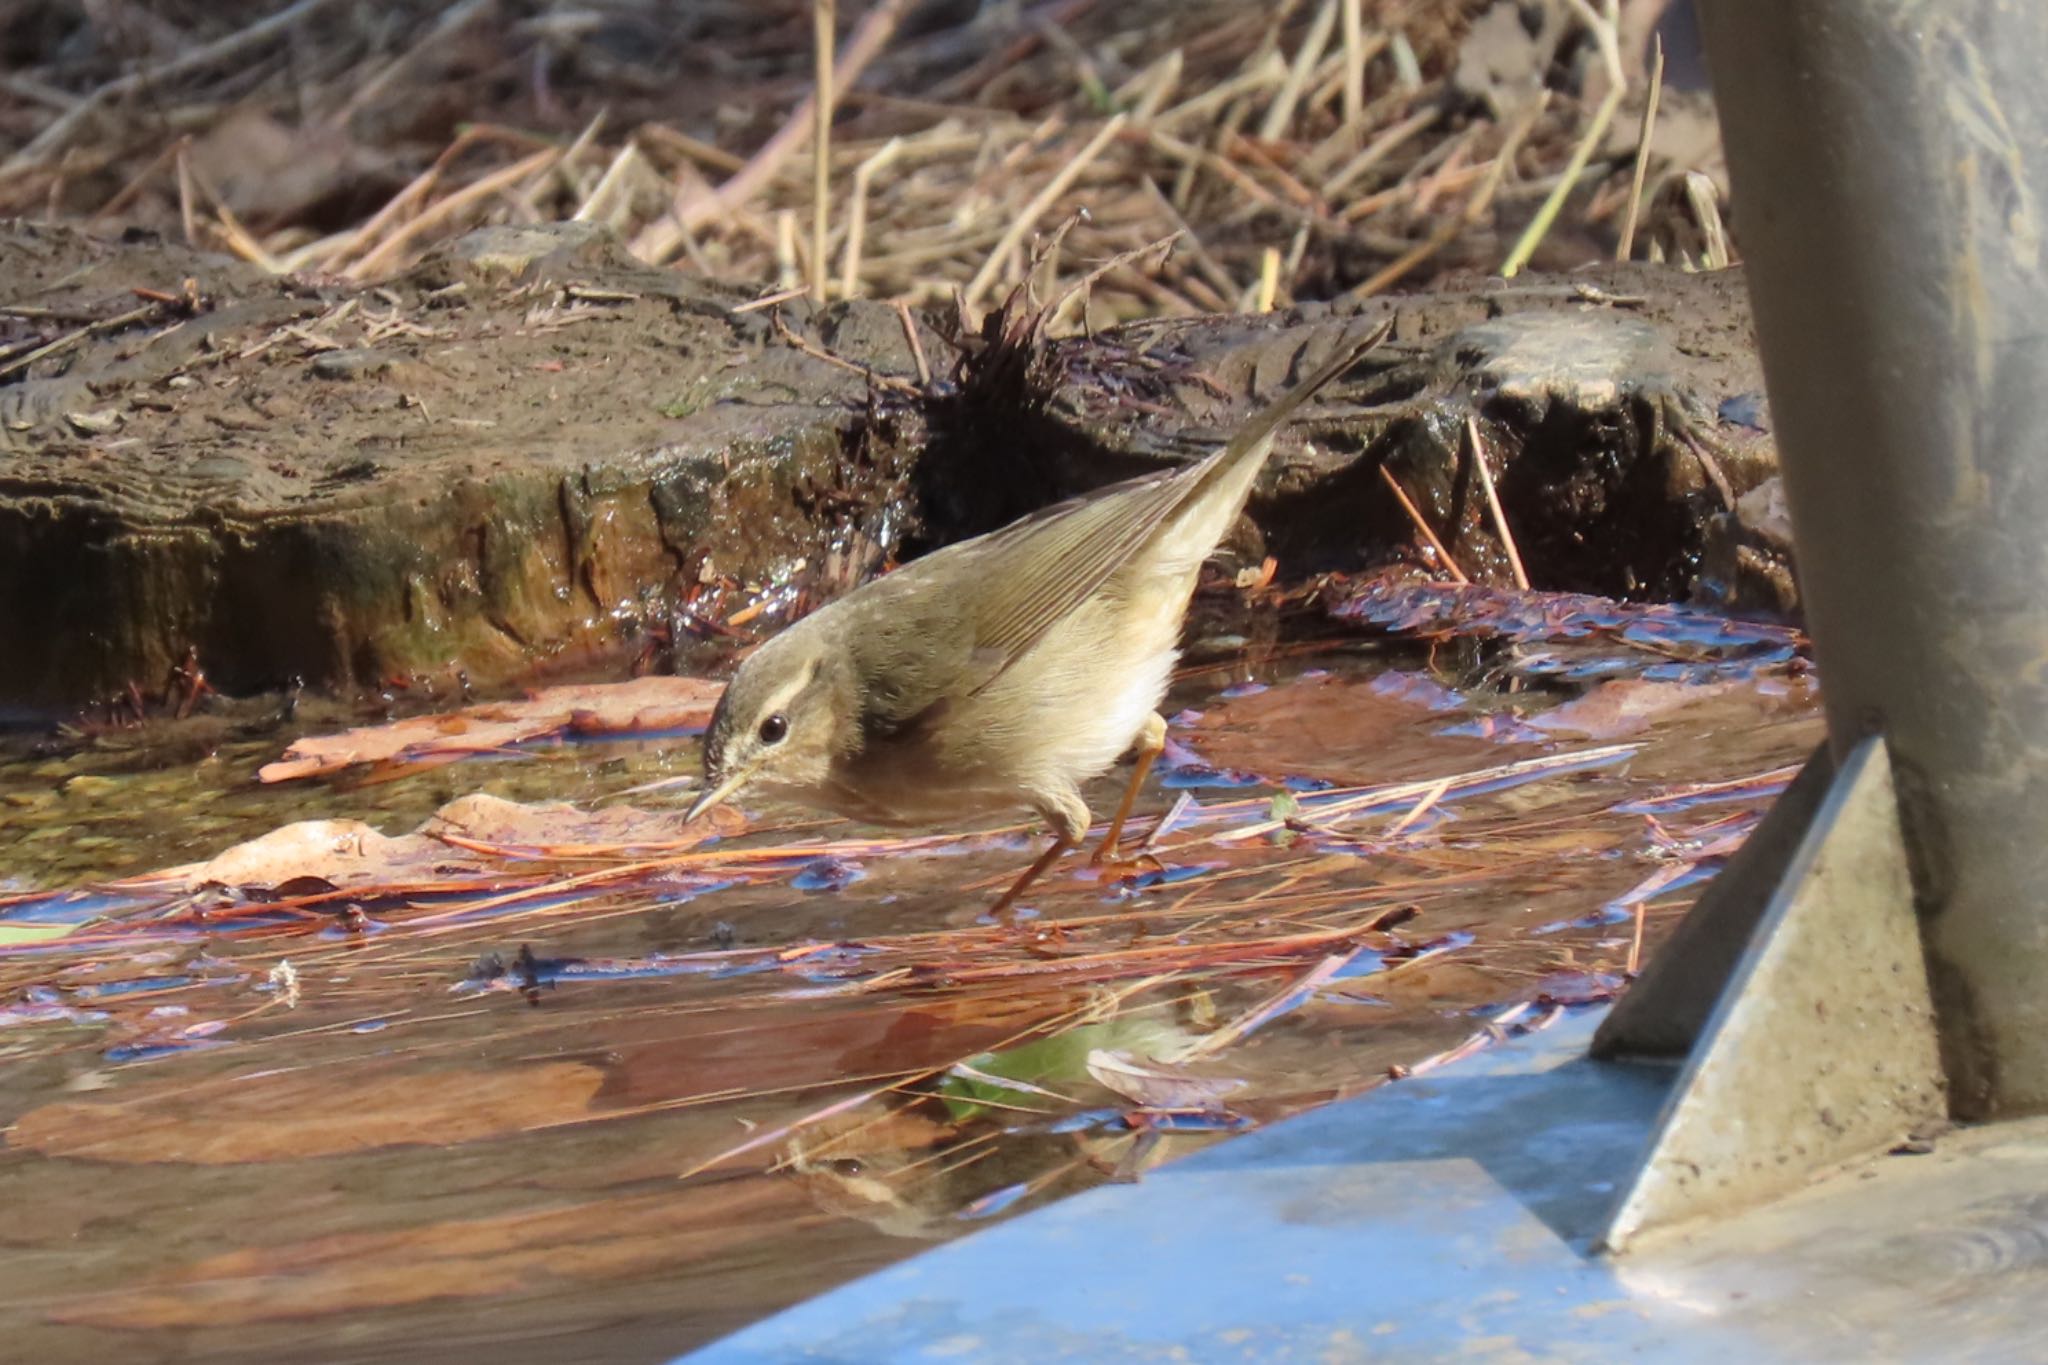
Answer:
(1109, 867)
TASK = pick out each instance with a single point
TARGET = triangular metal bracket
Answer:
(1663, 1014)
(1821, 1047)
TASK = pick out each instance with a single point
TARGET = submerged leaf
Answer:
(29, 932)
(1626, 706)
(298, 1115)
(1158, 1086)
(643, 705)
(1028, 1075)
(463, 839)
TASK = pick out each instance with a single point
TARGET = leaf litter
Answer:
(650, 705)
(1351, 888)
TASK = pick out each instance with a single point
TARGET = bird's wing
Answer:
(1045, 566)
(1039, 570)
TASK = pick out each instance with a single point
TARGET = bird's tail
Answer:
(1239, 462)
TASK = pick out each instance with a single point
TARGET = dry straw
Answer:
(1335, 136)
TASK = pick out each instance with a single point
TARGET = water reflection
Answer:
(449, 1110)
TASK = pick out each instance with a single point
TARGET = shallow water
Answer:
(458, 1122)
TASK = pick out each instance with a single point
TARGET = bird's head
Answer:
(780, 721)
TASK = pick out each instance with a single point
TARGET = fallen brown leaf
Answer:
(1340, 729)
(1627, 706)
(513, 1253)
(303, 1114)
(644, 704)
(1158, 1085)
(463, 839)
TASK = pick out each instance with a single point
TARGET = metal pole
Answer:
(1890, 164)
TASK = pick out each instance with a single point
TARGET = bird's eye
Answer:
(774, 728)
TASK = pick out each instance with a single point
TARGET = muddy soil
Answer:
(532, 452)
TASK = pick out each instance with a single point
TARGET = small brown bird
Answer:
(1001, 671)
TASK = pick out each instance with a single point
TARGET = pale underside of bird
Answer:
(1003, 671)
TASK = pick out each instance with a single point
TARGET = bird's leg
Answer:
(1151, 742)
(1067, 813)
(1060, 844)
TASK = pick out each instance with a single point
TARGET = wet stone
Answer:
(515, 254)
(533, 452)
(1747, 565)
(353, 363)
(97, 423)
(1588, 361)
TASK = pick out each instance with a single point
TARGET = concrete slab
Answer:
(1448, 1218)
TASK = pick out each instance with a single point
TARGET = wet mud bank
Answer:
(532, 452)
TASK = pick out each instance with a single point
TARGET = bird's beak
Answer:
(716, 795)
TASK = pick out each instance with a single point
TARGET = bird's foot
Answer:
(1108, 866)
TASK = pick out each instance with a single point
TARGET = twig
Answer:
(59, 131)
(1415, 515)
(598, 203)
(1334, 804)
(924, 369)
(1250, 149)
(770, 1136)
(1454, 172)
(1167, 821)
(387, 251)
(53, 198)
(1500, 518)
(1087, 281)
(128, 192)
(584, 141)
(238, 237)
(694, 207)
(450, 21)
(1207, 160)
(1280, 113)
(1436, 171)
(773, 1135)
(873, 376)
(1269, 280)
(187, 219)
(1380, 148)
(1407, 67)
(1269, 70)
(418, 188)
(1290, 268)
(1627, 243)
(1274, 1005)
(1156, 82)
(788, 269)
(72, 338)
(1045, 258)
(1475, 207)
(769, 300)
(1712, 468)
(308, 333)
(1705, 202)
(35, 92)
(1354, 65)
(1217, 278)
(703, 153)
(1052, 32)
(823, 17)
(1421, 808)
(1603, 28)
(1040, 202)
(857, 215)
